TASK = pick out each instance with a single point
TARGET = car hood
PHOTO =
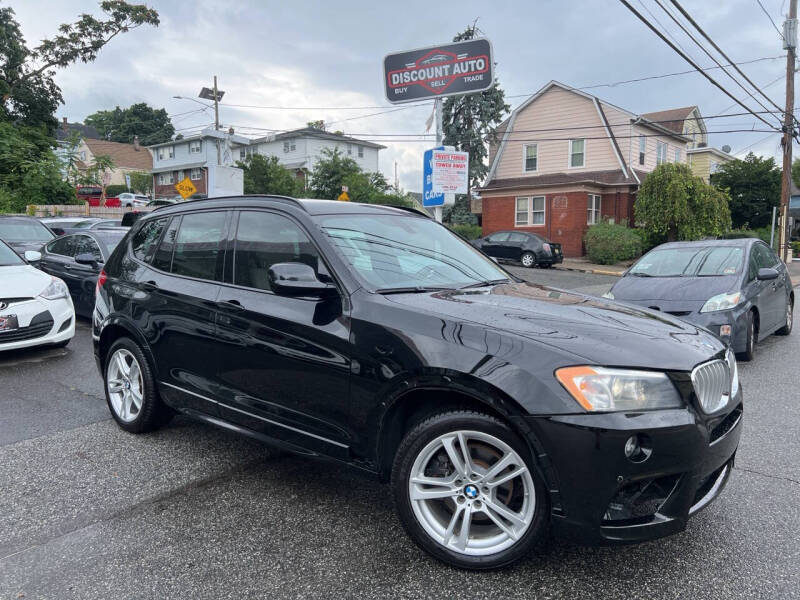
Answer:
(674, 289)
(23, 281)
(21, 247)
(591, 329)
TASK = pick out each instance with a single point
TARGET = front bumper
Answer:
(713, 321)
(599, 496)
(41, 322)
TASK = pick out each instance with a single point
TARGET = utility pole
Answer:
(216, 118)
(790, 44)
(437, 107)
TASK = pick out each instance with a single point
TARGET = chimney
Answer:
(64, 123)
(136, 143)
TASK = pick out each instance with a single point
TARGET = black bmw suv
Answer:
(499, 410)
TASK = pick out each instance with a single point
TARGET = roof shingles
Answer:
(125, 156)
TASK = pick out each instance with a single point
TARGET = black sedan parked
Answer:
(376, 337)
(738, 289)
(78, 259)
(530, 249)
(24, 233)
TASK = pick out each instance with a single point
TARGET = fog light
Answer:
(632, 446)
(725, 330)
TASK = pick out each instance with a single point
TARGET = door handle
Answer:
(232, 305)
(68, 267)
(149, 286)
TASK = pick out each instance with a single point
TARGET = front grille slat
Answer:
(712, 385)
(27, 333)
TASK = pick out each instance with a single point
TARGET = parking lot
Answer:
(89, 511)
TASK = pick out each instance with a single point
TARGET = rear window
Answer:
(198, 246)
(110, 238)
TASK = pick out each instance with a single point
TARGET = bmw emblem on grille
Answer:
(471, 491)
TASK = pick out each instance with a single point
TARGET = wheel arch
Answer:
(115, 329)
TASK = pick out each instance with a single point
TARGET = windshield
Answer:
(85, 224)
(8, 257)
(397, 252)
(24, 231)
(110, 238)
(714, 261)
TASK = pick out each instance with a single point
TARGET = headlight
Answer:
(731, 358)
(722, 302)
(601, 389)
(608, 295)
(57, 289)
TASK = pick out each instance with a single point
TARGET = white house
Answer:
(300, 149)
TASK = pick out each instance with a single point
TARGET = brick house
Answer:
(565, 159)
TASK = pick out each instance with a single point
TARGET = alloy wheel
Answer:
(472, 493)
(125, 385)
(527, 260)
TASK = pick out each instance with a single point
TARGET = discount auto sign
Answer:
(449, 70)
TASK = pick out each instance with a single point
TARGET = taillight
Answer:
(546, 247)
(101, 279)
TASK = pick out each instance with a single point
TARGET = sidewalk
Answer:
(794, 271)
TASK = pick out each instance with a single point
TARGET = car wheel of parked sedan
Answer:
(750, 346)
(466, 490)
(787, 328)
(528, 259)
(131, 390)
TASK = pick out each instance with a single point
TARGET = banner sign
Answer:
(450, 172)
(428, 197)
(438, 71)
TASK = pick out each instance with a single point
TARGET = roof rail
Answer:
(294, 201)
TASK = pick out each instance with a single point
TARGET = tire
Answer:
(121, 389)
(435, 524)
(528, 259)
(787, 328)
(750, 345)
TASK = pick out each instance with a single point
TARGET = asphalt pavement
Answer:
(89, 511)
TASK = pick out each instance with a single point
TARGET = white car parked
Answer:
(130, 200)
(35, 308)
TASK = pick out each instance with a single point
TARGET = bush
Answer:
(468, 232)
(608, 243)
(795, 248)
(115, 190)
(742, 232)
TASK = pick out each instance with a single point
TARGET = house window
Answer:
(531, 157)
(577, 154)
(713, 167)
(165, 179)
(642, 148)
(530, 211)
(677, 155)
(196, 174)
(350, 149)
(246, 152)
(661, 153)
(361, 152)
(166, 152)
(593, 216)
(181, 175)
(195, 147)
(83, 155)
(289, 146)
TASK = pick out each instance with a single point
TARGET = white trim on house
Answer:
(530, 212)
(502, 146)
(525, 158)
(611, 138)
(715, 151)
(595, 205)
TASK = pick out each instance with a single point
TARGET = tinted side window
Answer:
(263, 239)
(517, 237)
(86, 245)
(198, 247)
(143, 243)
(763, 256)
(64, 246)
(163, 256)
(499, 237)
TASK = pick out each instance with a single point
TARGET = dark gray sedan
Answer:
(738, 289)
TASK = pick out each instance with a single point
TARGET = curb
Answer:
(593, 271)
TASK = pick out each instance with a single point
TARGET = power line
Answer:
(766, 137)
(703, 48)
(690, 61)
(718, 49)
(780, 33)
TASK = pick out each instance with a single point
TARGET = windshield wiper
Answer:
(484, 283)
(417, 289)
(640, 274)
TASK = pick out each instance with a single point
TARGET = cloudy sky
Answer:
(299, 61)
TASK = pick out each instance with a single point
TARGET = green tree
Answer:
(372, 188)
(754, 185)
(319, 124)
(141, 182)
(29, 94)
(329, 174)
(469, 123)
(153, 126)
(265, 175)
(673, 204)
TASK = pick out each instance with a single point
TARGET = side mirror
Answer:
(86, 259)
(767, 274)
(298, 279)
(33, 256)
